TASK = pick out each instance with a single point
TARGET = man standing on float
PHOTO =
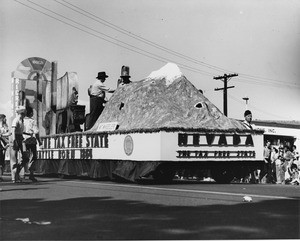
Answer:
(248, 119)
(254, 178)
(125, 77)
(97, 94)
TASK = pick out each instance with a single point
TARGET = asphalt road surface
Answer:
(78, 209)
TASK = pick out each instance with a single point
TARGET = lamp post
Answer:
(246, 99)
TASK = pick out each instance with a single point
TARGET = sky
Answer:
(258, 40)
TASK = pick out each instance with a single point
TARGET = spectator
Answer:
(292, 176)
(4, 142)
(296, 156)
(266, 174)
(31, 139)
(282, 170)
(288, 155)
(274, 165)
(17, 144)
(4, 132)
(279, 162)
(288, 158)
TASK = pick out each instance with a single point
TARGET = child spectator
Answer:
(293, 175)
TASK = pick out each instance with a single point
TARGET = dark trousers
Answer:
(16, 166)
(96, 108)
(32, 152)
(267, 172)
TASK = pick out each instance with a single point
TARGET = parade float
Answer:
(150, 128)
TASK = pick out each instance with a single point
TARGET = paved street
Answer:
(61, 209)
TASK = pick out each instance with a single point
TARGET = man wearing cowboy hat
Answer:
(97, 93)
(17, 143)
(125, 77)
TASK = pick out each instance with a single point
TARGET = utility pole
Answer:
(225, 78)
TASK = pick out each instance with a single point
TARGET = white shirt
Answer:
(248, 125)
(98, 89)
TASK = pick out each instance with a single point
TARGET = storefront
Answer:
(280, 132)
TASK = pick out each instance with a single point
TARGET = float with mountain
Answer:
(155, 128)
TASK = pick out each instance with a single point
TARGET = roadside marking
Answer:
(186, 190)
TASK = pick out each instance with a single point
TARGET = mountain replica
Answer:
(164, 100)
(154, 128)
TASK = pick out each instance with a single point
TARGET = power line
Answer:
(258, 82)
(255, 108)
(85, 31)
(132, 35)
(131, 47)
(156, 57)
(153, 44)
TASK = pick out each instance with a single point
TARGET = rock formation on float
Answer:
(165, 99)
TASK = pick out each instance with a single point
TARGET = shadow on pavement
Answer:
(106, 218)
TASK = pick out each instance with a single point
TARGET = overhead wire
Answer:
(153, 44)
(117, 42)
(261, 83)
(129, 46)
(135, 36)
(253, 107)
(147, 53)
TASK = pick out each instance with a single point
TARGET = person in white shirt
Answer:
(17, 144)
(247, 123)
(31, 139)
(97, 93)
(248, 120)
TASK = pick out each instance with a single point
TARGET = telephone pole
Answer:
(225, 78)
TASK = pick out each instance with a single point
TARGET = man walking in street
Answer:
(17, 144)
(31, 139)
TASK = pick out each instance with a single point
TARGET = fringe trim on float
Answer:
(166, 129)
(98, 169)
(79, 168)
(47, 166)
(132, 171)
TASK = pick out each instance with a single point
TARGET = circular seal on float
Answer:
(128, 145)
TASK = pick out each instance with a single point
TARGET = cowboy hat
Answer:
(101, 75)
